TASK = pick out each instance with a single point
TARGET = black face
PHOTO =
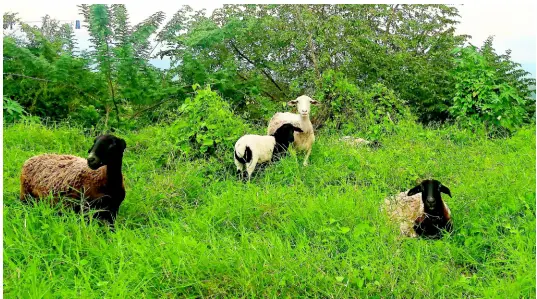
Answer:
(290, 134)
(285, 133)
(430, 192)
(283, 137)
(105, 149)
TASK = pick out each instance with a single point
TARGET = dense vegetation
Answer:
(352, 58)
(188, 228)
(439, 106)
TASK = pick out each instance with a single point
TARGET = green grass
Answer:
(190, 229)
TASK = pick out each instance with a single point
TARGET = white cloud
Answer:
(138, 11)
(511, 23)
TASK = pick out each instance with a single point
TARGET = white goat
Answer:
(253, 149)
(303, 140)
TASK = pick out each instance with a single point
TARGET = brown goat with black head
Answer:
(98, 180)
(436, 216)
(424, 214)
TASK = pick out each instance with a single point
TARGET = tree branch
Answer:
(111, 85)
(160, 103)
(55, 82)
(150, 107)
(264, 92)
(255, 65)
(310, 43)
(390, 20)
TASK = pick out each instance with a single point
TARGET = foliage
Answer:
(202, 127)
(13, 111)
(44, 71)
(489, 91)
(192, 230)
(374, 111)
(281, 51)
(257, 57)
(9, 20)
(121, 53)
(512, 73)
(206, 124)
(384, 111)
(41, 73)
(86, 116)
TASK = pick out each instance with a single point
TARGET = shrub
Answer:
(483, 97)
(204, 126)
(206, 123)
(383, 110)
(347, 108)
(87, 116)
(13, 111)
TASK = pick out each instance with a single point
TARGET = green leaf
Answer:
(456, 50)
(344, 229)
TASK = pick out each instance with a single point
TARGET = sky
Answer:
(512, 25)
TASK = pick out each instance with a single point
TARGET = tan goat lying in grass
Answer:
(424, 214)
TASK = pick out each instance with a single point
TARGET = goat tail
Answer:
(246, 158)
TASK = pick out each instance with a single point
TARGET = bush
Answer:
(87, 116)
(13, 111)
(383, 111)
(349, 109)
(483, 97)
(258, 110)
(204, 126)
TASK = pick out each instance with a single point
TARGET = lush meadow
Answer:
(402, 75)
(189, 228)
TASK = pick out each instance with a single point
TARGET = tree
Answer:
(282, 51)
(490, 89)
(43, 74)
(121, 53)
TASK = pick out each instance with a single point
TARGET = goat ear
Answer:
(292, 103)
(122, 143)
(445, 190)
(314, 102)
(414, 190)
(118, 143)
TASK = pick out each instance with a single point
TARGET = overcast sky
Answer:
(512, 24)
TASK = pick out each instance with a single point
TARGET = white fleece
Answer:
(304, 140)
(261, 147)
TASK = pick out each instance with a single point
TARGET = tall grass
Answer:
(190, 229)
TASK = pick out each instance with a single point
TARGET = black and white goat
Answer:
(253, 149)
